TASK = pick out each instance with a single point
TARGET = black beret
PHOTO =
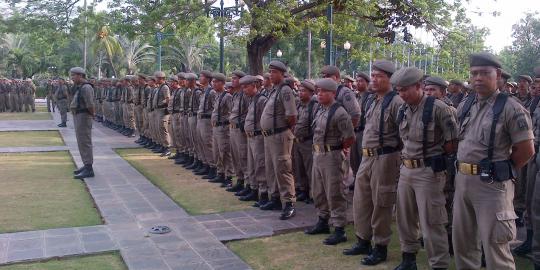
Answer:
(406, 76)
(484, 59)
(436, 81)
(327, 84)
(458, 82)
(364, 76)
(219, 76)
(330, 70)
(190, 76)
(308, 84)
(181, 75)
(239, 73)
(275, 64)
(206, 73)
(385, 65)
(248, 79)
(505, 74)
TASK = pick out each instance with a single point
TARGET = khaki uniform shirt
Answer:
(83, 98)
(161, 98)
(347, 98)
(340, 126)
(240, 103)
(302, 129)
(514, 126)
(254, 112)
(61, 92)
(390, 128)
(441, 129)
(195, 100)
(206, 102)
(279, 105)
(222, 107)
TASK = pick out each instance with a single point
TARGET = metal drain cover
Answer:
(160, 230)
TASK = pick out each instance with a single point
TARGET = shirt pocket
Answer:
(404, 129)
(504, 229)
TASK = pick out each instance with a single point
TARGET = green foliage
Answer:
(522, 56)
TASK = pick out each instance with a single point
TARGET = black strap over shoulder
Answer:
(338, 91)
(427, 117)
(311, 104)
(498, 107)
(366, 103)
(534, 104)
(206, 93)
(401, 113)
(466, 107)
(219, 106)
(385, 103)
(331, 111)
(277, 92)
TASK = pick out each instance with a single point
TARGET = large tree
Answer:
(523, 55)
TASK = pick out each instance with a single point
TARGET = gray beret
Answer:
(219, 77)
(142, 76)
(239, 73)
(327, 84)
(159, 74)
(173, 78)
(436, 81)
(458, 82)
(406, 76)
(190, 76)
(260, 78)
(330, 70)
(266, 75)
(77, 70)
(484, 59)
(526, 77)
(364, 76)
(309, 84)
(228, 84)
(248, 79)
(181, 75)
(505, 74)
(153, 78)
(206, 73)
(275, 64)
(385, 65)
(349, 78)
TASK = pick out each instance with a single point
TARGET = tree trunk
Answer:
(256, 49)
(112, 65)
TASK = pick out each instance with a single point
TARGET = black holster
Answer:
(437, 163)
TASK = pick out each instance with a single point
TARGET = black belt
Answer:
(222, 123)
(369, 152)
(536, 148)
(255, 133)
(303, 139)
(270, 132)
(77, 111)
(191, 114)
(318, 148)
(175, 111)
(358, 129)
(205, 116)
(61, 98)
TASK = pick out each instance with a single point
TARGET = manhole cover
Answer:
(160, 230)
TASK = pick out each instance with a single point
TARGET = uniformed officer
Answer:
(303, 133)
(376, 180)
(535, 195)
(82, 107)
(138, 100)
(333, 134)
(495, 138)
(278, 117)
(362, 97)
(161, 100)
(455, 93)
(204, 125)
(503, 81)
(193, 107)
(51, 104)
(428, 130)
(523, 94)
(129, 106)
(238, 137)
(61, 95)
(266, 85)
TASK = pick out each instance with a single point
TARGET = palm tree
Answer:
(105, 41)
(14, 47)
(135, 52)
(186, 54)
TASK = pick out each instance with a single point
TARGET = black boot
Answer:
(227, 183)
(87, 172)
(144, 141)
(252, 196)
(193, 165)
(63, 124)
(79, 170)
(360, 247)
(526, 246)
(288, 212)
(408, 262)
(149, 145)
(175, 156)
(211, 173)
(183, 159)
(198, 167)
(220, 178)
(131, 133)
(139, 140)
(263, 199)
(320, 228)
(378, 255)
(157, 149)
(274, 204)
(204, 171)
(302, 196)
(243, 191)
(536, 266)
(165, 152)
(337, 237)
(238, 187)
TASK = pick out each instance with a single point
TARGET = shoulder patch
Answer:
(522, 124)
(287, 96)
(348, 97)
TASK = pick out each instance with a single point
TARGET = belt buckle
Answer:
(327, 148)
(415, 163)
(474, 169)
(263, 132)
(317, 148)
(407, 163)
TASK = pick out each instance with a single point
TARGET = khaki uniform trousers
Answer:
(172, 141)
(255, 164)
(204, 129)
(62, 109)
(3, 103)
(374, 197)
(532, 169)
(194, 137)
(179, 133)
(302, 165)
(129, 115)
(117, 116)
(483, 216)
(28, 101)
(186, 135)
(327, 189)
(222, 150)
(14, 101)
(278, 163)
(239, 152)
(535, 216)
(162, 127)
(356, 152)
(145, 123)
(421, 207)
(521, 189)
(83, 133)
(152, 125)
(139, 118)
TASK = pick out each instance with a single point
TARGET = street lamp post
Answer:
(224, 12)
(159, 37)
(347, 47)
(279, 53)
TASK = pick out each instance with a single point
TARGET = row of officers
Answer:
(17, 95)
(450, 173)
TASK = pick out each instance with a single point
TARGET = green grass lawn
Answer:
(37, 191)
(107, 261)
(30, 138)
(194, 194)
(40, 114)
(297, 251)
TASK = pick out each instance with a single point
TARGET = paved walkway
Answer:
(130, 205)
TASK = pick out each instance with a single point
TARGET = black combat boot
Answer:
(204, 170)
(526, 246)
(63, 124)
(149, 144)
(185, 158)
(193, 165)
(157, 149)
(274, 204)
(199, 166)
(211, 173)
(288, 212)
(243, 191)
(139, 140)
(378, 255)
(87, 172)
(360, 247)
(175, 156)
(321, 227)
(252, 196)
(79, 170)
(302, 196)
(165, 152)
(227, 183)
(263, 199)
(238, 187)
(408, 261)
(337, 237)
(220, 178)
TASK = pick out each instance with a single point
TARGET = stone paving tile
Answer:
(217, 224)
(25, 244)
(29, 254)
(60, 232)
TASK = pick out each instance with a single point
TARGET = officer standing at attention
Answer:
(333, 134)
(278, 117)
(204, 125)
(428, 130)
(495, 137)
(376, 180)
(535, 196)
(82, 107)
(362, 96)
(61, 97)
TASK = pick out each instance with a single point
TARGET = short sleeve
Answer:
(344, 125)
(351, 104)
(519, 125)
(447, 123)
(287, 97)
